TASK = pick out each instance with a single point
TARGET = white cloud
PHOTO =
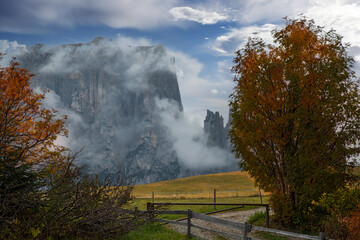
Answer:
(196, 91)
(256, 11)
(214, 91)
(11, 49)
(235, 39)
(196, 15)
(341, 15)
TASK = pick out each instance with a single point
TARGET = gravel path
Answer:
(237, 216)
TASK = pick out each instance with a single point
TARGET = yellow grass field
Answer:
(357, 170)
(231, 184)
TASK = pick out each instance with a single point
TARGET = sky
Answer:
(202, 35)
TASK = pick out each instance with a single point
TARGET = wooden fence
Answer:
(245, 228)
(151, 207)
(216, 193)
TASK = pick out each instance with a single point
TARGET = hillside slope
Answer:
(230, 181)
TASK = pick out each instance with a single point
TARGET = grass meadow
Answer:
(230, 184)
(232, 187)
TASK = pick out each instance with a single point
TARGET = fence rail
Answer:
(151, 206)
(201, 194)
(245, 228)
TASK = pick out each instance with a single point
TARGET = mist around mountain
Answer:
(125, 110)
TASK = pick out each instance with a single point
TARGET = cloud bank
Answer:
(10, 49)
(125, 68)
(31, 16)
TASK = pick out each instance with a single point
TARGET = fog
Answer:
(113, 106)
(190, 140)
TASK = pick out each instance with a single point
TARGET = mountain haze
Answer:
(124, 108)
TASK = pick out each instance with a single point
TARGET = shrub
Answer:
(72, 205)
(256, 217)
(336, 210)
(335, 227)
(353, 224)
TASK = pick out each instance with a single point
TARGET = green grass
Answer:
(141, 204)
(154, 231)
(240, 181)
(269, 236)
(200, 190)
(257, 218)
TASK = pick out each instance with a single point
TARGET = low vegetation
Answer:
(257, 217)
(154, 231)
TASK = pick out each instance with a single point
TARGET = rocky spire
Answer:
(214, 126)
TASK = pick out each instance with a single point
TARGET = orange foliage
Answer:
(353, 224)
(27, 130)
(295, 114)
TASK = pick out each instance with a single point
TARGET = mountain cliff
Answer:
(217, 132)
(111, 94)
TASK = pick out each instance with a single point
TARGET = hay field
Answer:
(231, 184)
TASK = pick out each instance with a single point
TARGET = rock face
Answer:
(218, 134)
(214, 126)
(110, 95)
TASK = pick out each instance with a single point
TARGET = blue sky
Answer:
(202, 35)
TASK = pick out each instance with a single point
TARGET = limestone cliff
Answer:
(110, 92)
(114, 94)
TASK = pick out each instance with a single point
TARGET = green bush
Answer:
(256, 217)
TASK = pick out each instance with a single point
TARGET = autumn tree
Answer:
(43, 193)
(27, 140)
(296, 116)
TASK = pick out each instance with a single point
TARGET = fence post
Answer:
(321, 236)
(148, 208)
(189, 223)
(152, 211)
(214, 198)
(246, 231)
(267, 217)
(260, 196)
(153, 197)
